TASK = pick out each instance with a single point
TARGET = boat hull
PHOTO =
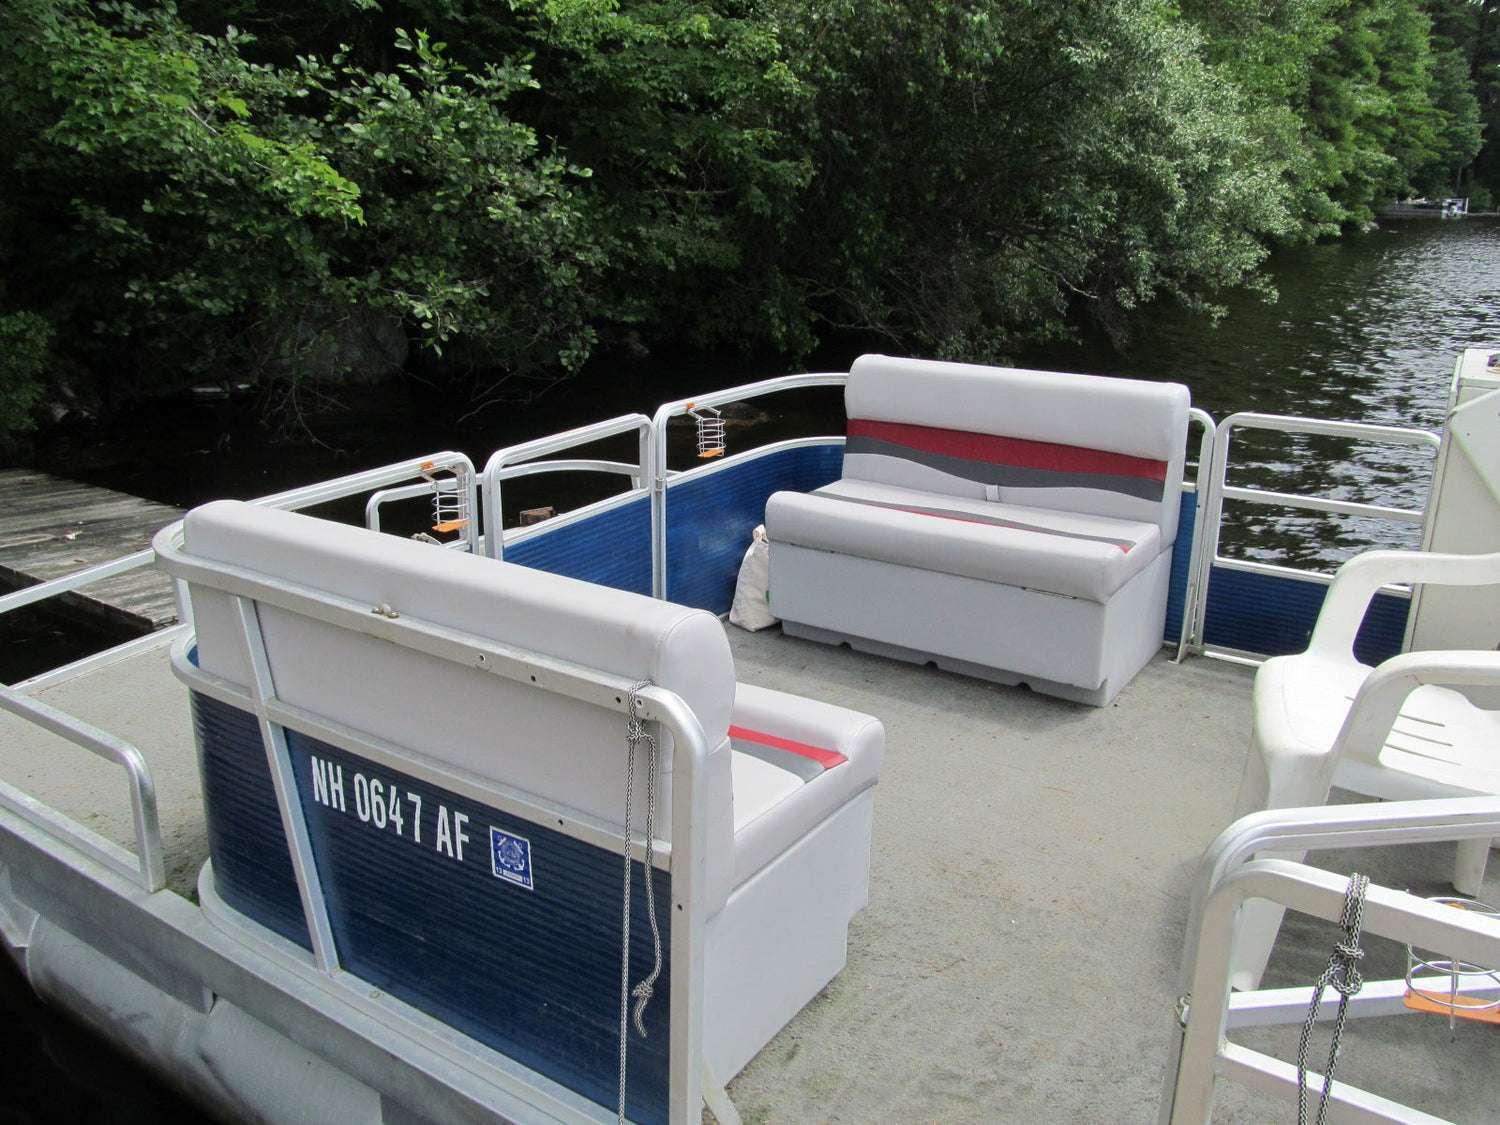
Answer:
(215, 1012)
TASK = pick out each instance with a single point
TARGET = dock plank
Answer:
(51, 527)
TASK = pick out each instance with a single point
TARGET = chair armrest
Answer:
(1359, 579)
(1380, 698)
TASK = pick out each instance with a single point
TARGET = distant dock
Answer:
(51, 527)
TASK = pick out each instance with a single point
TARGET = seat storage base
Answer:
(783, 936)
(906, 655)
(1072, 648)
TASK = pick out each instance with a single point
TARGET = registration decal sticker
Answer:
(510, 857)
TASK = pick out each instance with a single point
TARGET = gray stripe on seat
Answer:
(804, 767)
(1009, 476)
(995, 521)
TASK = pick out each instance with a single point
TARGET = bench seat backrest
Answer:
(534, 741)
(1079, 443)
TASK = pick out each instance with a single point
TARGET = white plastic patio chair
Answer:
(1399, 731)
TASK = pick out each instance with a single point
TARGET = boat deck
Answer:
(1032, 866)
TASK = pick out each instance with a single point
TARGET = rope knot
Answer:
(1343, 976)
(1343, 968)
(642, 993)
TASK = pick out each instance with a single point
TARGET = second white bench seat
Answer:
(998, 522)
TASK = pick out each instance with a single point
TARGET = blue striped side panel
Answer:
(612, 548)
(422, 909)
(1272, 615)
(252, 866)
(1182, 563)
(710, 518)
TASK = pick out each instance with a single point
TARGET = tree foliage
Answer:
(292, 193)
(198, 215)
(1358, 100)
(1467, 32)
(984, 167)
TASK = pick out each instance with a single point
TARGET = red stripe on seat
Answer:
(827, 758)
(1019, 452)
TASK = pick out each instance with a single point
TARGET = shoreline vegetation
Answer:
(302, 198)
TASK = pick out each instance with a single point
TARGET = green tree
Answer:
(672, 106)
(178, 212)
(1470, 30)
(1461, 130)
(1348, 96)
(287, 191)
(984, 167)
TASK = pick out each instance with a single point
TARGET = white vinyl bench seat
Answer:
(1011, 524)
(795, 762)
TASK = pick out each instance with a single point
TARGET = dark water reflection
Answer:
(1367, 328)
(1363, 328)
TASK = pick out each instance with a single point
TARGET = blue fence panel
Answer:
(252, 867)
(1182, 566)
(1274, 614)
(505, 929)
(612, 548)
(711, 516)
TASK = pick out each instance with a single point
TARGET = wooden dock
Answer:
(51, 527)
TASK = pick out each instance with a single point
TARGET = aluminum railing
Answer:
(1218, 490)
(461, 485)
(1198, 485)
(660, 473)
(535, 457)
(1202, 1054)
(649, 474)
(145, 866)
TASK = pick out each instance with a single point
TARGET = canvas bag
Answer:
(752, 592)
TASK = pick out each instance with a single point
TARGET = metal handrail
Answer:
(323, 492)
(1218, 490)
(522, 460)
(1228, 875)
(30, 595)
(464, 480)
(1200, 557)
(146, 866)
(1332, 827)
(148, 869)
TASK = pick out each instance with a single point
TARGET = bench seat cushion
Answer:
(1068, 553)
(796, 761)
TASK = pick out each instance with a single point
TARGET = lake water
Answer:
(1366, 328)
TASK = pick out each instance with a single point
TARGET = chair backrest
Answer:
(1079, 443)
(534, 741)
